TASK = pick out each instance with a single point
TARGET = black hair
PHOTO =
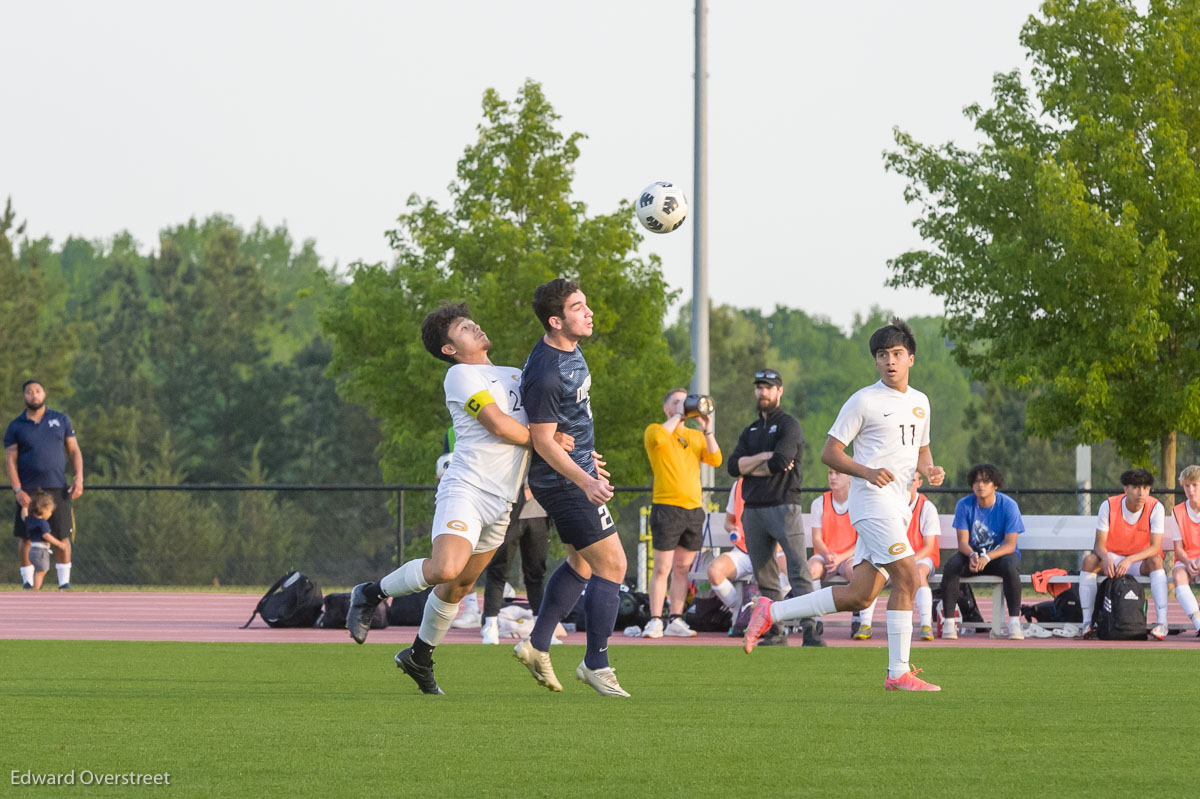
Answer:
(437, 325)
(1137, 477)
(549, 299)
(897, 334)
(29, 382)
(41, 501)
(985, 471)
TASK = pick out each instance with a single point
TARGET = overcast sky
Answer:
(125, 115)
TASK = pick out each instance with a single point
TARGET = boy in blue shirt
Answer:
(37, 527)
(988, 523)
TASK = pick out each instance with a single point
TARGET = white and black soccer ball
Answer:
(662, 207)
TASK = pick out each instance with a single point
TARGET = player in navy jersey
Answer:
(556, 387)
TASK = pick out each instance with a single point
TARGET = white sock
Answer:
(408, 579)
(1158, 590)
(1187, 601)
(816, 585)
(867, 614)
(924, 603)
(27, 575)
(805, 606)
(1014, 623)
(64, 573)
(899, 627)
(436, 618)
(1087, 596)
(726, 592)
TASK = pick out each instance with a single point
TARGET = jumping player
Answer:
(888, 423)
(474, 496)
(556, 385)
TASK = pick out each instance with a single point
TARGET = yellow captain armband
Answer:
(478, 401)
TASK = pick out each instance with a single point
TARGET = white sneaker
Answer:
(509, 592)
(1015, 633)
(949, 632)
(491, 631)
(1159, 632)
(1035, 630)
(1066, 631)
(603, 680)
(654, 628)
(467, 620)
(678, 628)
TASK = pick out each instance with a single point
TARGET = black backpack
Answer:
(293, 601)
(1064, 608)
(708, 615)
(1120, 610)
(333, 617)
(633, 608)
(407, 610)
(968, 608)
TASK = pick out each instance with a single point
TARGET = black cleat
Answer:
(422, 675)
(26, 586)
(65, 587)
(358, 615)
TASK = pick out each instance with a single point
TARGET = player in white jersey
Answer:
(888, 424)
(474, 496)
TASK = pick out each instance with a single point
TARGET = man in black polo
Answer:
(768, 457)
(36, 444)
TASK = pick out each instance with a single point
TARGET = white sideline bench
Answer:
(1042, 534)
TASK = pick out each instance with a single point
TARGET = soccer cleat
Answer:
(1159, 632)
(491, 631)
(422, 675)
(65, 587)
(603, 680)
(358, 615)
(854, 625)
(863, 634)
(26, 586)
(1015, 633)
(1089, 632)
(760, 622)
(909, 681)
(538, 663)
(678, 628)
(926, 632)
(654, 628)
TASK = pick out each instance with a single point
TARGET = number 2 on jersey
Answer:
(912, 434)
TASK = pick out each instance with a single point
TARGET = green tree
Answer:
(510, 226)
(1067, 245)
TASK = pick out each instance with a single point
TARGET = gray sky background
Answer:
(127, 115)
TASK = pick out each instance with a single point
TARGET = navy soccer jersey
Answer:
(555, 387)
(41, 449)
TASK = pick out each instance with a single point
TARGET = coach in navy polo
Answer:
(35, 447)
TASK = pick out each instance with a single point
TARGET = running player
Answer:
(474, 496)
(888, 423)
(555, 386)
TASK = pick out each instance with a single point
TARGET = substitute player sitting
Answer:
(833, 537)
(1129, 531)
(888, 424)
(474, 497)
(1187, 545)
(734, 565)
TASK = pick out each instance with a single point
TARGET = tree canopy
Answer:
(1066, 245)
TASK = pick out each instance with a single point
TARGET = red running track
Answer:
(136, 616)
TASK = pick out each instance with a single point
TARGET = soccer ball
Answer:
(662, 207)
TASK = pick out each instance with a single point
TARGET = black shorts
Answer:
(672, 526)
(62, 521)
(579, 523)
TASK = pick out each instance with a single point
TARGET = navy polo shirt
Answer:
(41, 449)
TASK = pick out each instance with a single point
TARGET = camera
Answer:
(697, 405)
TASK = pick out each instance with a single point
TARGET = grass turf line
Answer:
(334, 721)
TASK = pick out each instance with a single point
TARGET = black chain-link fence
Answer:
(247, 535)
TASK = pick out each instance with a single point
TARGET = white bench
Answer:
(1042, 533)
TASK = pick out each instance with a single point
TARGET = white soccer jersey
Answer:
(480, 458)
(887, 429)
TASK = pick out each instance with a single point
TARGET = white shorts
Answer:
(881, 541)
(1179, 565)
(466, 511)
(741, 562)
(1135, 568)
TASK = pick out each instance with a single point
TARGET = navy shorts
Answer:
(579, 523)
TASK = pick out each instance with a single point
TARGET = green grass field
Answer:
(324, 720)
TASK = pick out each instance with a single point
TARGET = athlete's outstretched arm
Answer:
(501, 425)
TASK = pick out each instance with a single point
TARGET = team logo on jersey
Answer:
(897, 549)
(919, 413)
(457, 525)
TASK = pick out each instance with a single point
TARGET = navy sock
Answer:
(373, 592)
(600, 606)
(422, 652)
(559, 599)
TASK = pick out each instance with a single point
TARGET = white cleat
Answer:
(603, 680)
(1159, 632)
(538, 663)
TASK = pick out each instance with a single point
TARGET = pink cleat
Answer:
(909, 681)
(760, 623)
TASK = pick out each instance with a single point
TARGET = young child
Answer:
(37, 525)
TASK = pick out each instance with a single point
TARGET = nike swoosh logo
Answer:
(889, 414)
(603, 649)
